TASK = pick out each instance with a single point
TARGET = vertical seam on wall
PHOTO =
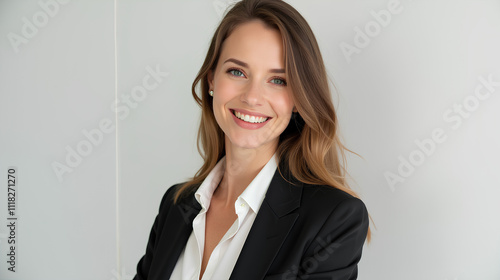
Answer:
(117, 196)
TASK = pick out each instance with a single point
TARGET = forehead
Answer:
(255, 43)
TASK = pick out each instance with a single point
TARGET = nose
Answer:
(252, 94)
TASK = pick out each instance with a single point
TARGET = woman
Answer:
(271, 200)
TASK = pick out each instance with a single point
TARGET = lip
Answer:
(247, 125)
(249, 113)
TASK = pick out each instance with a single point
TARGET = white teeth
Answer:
(250, 119)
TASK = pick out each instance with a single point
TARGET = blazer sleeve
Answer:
(145, 262)
(336, 250)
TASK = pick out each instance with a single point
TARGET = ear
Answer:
(210, 78)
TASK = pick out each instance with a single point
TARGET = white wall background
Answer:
(403, 82)
(56, 81)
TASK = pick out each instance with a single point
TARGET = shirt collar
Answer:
(204, 193)
(254, 193)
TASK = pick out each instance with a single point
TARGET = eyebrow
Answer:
(243, 64)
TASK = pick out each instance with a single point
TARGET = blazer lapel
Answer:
(174, 240)
(270, 228)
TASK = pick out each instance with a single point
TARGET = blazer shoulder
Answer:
(168, 196)
(328, 195)
(337, 224)
(326, 202)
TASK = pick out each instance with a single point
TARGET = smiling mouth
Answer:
(249, 118)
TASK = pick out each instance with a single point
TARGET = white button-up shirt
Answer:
(225, 254)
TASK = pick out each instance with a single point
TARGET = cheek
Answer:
(285, 104)
(224, 92)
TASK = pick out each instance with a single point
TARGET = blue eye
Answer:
(236, 72)
(279, 81)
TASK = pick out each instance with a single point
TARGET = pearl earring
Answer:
(211, 93)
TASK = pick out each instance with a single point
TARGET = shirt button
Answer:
(242, 205)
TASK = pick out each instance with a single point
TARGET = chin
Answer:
(241, 141)
(245, 144)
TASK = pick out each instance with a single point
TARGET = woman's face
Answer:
(252, 102)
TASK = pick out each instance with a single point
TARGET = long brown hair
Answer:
(310, 145)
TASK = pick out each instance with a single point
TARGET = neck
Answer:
(242, 165)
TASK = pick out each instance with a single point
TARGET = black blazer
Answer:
(300, 232)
